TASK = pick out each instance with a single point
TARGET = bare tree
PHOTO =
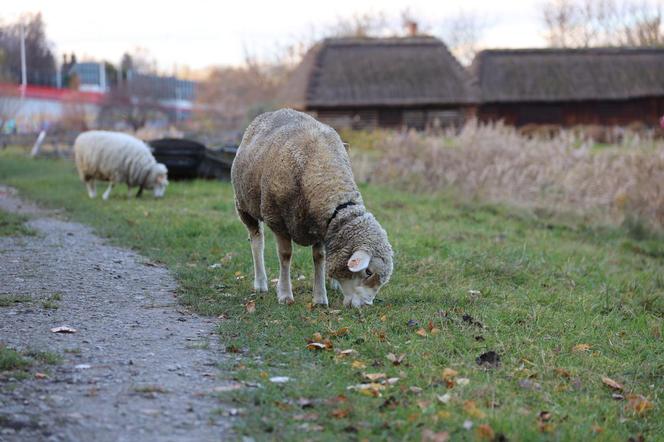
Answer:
(462, 33)
(589, 23)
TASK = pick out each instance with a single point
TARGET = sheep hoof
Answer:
(320, 299)
(286, 299)
(260, 286)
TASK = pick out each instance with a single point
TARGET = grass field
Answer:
(570, 310)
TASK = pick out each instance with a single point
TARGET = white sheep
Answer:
(293, 173)
(118, 158)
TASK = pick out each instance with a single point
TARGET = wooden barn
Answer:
(602, 86)
(363, 83)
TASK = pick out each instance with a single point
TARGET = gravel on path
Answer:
(139, 367)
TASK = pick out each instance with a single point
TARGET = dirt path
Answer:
(139, 367)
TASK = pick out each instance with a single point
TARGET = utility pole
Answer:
(24, 74)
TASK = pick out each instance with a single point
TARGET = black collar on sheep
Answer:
(339, 208)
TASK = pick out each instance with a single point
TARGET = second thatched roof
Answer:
(549, 75)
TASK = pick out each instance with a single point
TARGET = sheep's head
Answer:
(364, 264)
(159, 180)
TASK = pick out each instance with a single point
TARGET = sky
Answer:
(202, 33)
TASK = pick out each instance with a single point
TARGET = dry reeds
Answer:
(497, 163)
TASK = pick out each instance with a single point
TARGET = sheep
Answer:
(293, 174)
(118, 158)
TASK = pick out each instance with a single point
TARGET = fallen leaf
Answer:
(383, 318)
(611, 383)
(421, 332)
(639, 404)
(449, 373)
(340, 413)
(444, 399)
(374, 376)
(391, 381)
(347, 352)
(617, 396)
(341, 332)
(462, 381)
(250, 307)
(416, 390)
(373, 389)
(317, 337)
(485, 431)
(545, 427)
(394, 359)
(471, 409)
(581, 347)
(358, 364)
(544, 416)
(263, 374)
(431, 436)
(391, 403)
(316, 346)
(563, 373)
(423, 404)
(63, 329)
(597, 429)
(41, 375)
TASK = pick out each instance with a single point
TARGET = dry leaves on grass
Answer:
(432, 329)
(611, 383)
(394, 359)
(639, 404)
(340, 413)
(316, 342)
(372, 389)
(358, 364)
(373, 377)
(250, 307)
(485, 431)
(421, 332)
(343, 331)
(581, 347)
(471, 409)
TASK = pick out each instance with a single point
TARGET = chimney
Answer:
(411, 28)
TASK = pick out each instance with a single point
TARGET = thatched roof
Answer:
(353, 72)
(547, 75)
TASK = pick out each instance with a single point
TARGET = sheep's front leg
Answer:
(320, 294)
(284, 290)
(92, 188)
(108, 191)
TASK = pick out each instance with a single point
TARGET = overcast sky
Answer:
(200, 33)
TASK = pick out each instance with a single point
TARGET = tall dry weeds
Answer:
(496, 163)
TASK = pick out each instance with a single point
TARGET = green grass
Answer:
(544, 287)
(11, 360)
(13, 225)
(10, 300)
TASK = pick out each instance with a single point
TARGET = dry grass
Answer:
(617, 183)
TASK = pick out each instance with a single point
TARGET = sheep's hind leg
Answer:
(257, 247)
(285, 251)
(108, 191)
(320, 294)
(92, 188)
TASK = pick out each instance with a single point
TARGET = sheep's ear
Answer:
(359, 261)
